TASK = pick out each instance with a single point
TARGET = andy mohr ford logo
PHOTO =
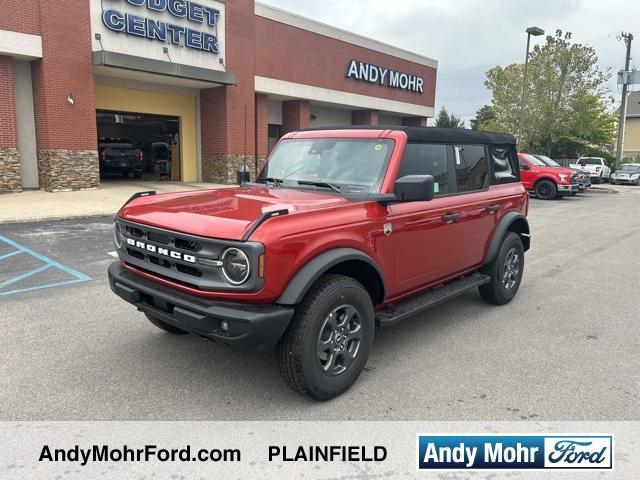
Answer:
(515, 452)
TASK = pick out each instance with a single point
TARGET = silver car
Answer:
(628, 173)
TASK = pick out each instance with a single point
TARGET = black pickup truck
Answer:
(119, 157)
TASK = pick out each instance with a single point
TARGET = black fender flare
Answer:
(314, 269)
(503, 227)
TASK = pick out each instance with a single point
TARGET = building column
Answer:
(64, 100)
(414, 122)
(262, 130)
(365, 117)
(228, 114)
(9, 156)
(295, 115)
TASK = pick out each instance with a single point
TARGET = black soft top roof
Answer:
(435, 134)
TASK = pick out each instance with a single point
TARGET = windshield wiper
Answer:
(276, 181)
(332, 186)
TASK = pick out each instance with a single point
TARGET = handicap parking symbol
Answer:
(23, 270)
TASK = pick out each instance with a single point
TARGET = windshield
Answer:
(535, 161)
(547, 161)
(589, 161)
(347, 165)
(629, 168)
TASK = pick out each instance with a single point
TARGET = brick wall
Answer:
(365, 117)
(9, 157)
(228, 113)
(295, 115)
(66, 67)
(8, 132)
(66, 135)
(262, 124)
(20, 16)
(288, 53)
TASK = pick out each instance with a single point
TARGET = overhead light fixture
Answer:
(71, 99)
(535, 31)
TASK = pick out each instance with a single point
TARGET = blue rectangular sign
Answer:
(515, 452)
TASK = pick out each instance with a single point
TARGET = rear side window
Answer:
(427, 159)
(503, 164)
(472, 172)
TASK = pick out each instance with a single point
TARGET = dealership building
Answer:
(214, 83)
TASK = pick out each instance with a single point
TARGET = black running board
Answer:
(397, 312)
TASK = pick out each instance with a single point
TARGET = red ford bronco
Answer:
(344, 230)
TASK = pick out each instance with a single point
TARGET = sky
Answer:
(468, 37)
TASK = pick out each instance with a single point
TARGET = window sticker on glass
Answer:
(378, 147)
(436, 187)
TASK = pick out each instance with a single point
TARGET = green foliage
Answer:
(448, 120)
(567, 111)
(485, 116)
(574, 147)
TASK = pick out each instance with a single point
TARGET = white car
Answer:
(597, 167)
(627, 173)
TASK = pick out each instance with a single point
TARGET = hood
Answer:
(227, 213)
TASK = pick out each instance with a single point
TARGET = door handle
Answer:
(450, 217)
(492, 208)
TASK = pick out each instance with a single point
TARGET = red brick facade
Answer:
(322, 61)
(365, 117)
(66, 68)
(295, 115)
(234, 119)
(8, 132)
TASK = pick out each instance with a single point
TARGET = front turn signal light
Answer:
(261, 266)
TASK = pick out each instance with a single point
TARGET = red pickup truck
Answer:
(545, 181)
(343, 230)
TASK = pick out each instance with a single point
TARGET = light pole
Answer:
(536, 32)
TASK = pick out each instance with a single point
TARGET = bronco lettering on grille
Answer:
(165, 252)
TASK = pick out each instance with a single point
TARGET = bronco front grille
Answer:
(184, 258)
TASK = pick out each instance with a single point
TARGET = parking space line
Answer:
(24, 276)
(78, 277)
(44, 259)
(10, 254)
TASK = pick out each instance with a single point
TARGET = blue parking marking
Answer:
(48, 263)
(10, 254)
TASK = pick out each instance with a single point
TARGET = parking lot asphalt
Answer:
(567, 348)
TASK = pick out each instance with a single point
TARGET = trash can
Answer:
(243, 175)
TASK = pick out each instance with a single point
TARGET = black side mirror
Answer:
(414, 188)
(524, 166)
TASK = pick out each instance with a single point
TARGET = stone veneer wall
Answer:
(222, 169)
(10, 170)
(60, 170)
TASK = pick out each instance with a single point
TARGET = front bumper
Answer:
(626, 180)
(253, 327)
(568, 189)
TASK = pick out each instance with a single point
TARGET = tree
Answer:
(485, 116)
(566, 99)
(448, 120)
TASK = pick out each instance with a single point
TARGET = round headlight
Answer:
(235, 266)
(117, 236)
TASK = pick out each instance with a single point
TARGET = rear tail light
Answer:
(103, 156)
(140, 156)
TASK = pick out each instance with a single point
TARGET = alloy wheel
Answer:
(511, 269)
(339, 340)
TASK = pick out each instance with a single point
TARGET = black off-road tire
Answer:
(297, 352)
(496, 292)
(165, 326)
(546, 190)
